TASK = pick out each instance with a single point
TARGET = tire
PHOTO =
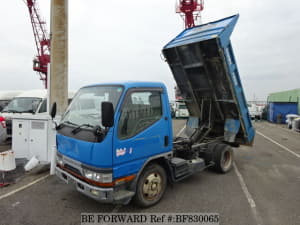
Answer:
(151, 186)
(223, 158)
(209, 153)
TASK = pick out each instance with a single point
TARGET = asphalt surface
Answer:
(5, 146)
(262, 188)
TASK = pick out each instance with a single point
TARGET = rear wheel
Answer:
(223, 158)
(151, 186)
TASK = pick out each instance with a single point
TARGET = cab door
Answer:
(142, 130)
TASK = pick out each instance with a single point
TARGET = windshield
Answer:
(22, 105)
(85, 107)
(252, 107)
(182, 106)
(3, 103)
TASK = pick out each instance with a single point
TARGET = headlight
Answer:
(88, 174)
(59, 160)
(99, 177)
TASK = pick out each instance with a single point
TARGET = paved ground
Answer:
(263, 188)
(5, 146)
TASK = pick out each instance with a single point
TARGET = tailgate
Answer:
(203, 65)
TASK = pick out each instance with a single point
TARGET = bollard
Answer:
(53, 160)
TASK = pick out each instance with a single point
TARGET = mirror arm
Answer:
(55, 124)
(106, 130)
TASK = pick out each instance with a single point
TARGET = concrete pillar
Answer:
(58, 85)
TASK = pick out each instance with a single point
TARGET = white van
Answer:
(28, 102)
(181, 110)
(6, 97)
(254, 111)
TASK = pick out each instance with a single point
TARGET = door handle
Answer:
(166, 141)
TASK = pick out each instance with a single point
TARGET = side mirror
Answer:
(53, 110)
(107, 112)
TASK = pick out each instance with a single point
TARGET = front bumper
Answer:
(106, 195)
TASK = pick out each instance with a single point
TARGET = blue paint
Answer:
(135, 150)
(232, 125)
(221, 29)
(276, 108)
(183, 51)
(93, 154)
(231, 129)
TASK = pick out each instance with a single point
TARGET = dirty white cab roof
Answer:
(8, 95)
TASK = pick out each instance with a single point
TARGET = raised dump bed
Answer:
(203, 65)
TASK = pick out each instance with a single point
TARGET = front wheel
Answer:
(151, 186)
(223, 158)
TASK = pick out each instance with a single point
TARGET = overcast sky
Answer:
(122, 40)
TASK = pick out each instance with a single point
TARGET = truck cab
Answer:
(103, 161)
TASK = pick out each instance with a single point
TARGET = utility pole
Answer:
(58, 85)
(58, 80)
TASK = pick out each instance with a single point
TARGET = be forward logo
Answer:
(120, 152)
(123, 151)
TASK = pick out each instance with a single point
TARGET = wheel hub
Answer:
(152, 186)
(226, 161)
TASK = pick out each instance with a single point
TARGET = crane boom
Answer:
(42, 41)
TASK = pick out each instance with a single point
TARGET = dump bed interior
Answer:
(203, 65)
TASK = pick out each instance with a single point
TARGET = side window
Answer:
(139, 111)
(43, 107)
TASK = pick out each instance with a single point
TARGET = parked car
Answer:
(254, 112)
(181, 110)
(290, 118)
(28, 102)
(3, 133)
(296, 124)
(6, 97)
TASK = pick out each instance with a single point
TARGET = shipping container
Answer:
(278, 111)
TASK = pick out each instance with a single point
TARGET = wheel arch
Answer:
(161, 160)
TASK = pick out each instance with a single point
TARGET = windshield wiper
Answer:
(77, 129)
(69, 122)
(64, 123)
(28, 111)
(11, 111)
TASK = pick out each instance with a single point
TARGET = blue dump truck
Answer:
(115, 141)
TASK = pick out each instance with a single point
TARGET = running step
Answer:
(180, 167)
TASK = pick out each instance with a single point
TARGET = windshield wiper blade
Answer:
(69, 122)
(11, 111)
(77, 129)
(64, 124)
(28, 111)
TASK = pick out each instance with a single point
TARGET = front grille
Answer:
(73, 169)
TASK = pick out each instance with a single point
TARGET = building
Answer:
(282, 103)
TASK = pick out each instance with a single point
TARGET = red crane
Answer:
(190, 11)
(42, 41)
